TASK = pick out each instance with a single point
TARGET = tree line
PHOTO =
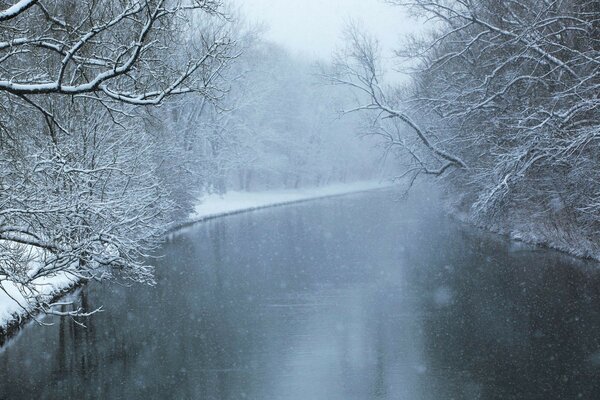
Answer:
(502, 107)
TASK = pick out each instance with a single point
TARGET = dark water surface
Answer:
(351, 298)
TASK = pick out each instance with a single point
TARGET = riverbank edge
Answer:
(11, 327)
(193, 221)
(14, 325)
(538, 236)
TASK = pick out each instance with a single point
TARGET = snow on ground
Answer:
(15, 303)
(14, 306)
(232, 202)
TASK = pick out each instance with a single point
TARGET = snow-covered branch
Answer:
(358, 68)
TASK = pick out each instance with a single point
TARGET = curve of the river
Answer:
(359, 297)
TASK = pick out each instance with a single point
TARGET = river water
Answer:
(358, 297)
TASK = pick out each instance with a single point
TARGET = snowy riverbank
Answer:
(14, 308)
(215, 205)
(567, 239)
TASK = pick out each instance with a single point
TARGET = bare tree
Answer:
(81, 192)
(358, 67)
(104, 47)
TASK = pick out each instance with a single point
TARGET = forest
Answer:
(501, 108)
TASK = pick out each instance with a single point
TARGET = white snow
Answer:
(13, 305)
(232, 202)
(15, 9)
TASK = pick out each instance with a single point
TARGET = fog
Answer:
(383, 131)
(314, 28)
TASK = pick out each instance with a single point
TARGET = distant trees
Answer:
(511, 90)
(357, 66)
(275, 127)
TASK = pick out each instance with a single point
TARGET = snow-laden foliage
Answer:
(504, 104)
(80, 188)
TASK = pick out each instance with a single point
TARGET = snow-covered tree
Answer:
(505, 93)
(81, 191)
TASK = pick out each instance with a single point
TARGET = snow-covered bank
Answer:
(215, 205)
(545, 234)
(572, 242)
(14, 308)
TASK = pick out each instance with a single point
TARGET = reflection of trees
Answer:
(522, 326)
(508, 332)
(379, 384)
(76, 352)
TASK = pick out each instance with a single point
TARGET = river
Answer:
(356, 297)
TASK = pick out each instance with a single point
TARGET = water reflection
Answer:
(526, 325)
(354, 298)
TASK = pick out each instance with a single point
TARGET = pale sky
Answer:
(313, 27)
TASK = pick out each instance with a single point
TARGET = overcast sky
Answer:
(313, 27)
